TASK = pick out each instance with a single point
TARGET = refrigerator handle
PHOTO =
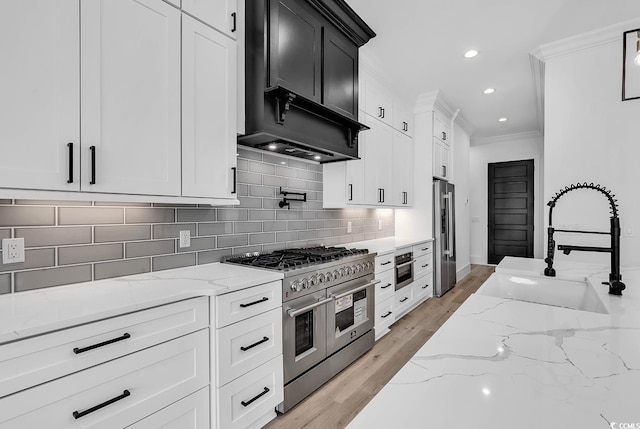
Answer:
(450, 224)
(445, 224)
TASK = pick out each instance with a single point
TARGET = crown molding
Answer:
(464, 123)
(428, 101)
(537, 74)
(588, 40)
(506, 138)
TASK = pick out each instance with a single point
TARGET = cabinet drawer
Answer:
(422, 249)
(384, 316)
(246, 400)
(403, 300)
(423, 287)
(384, 262)
(236, 306)
(386, 287)
(129, 389)
(247, 344)
(191, 412)
(36, 360)
(422, 266)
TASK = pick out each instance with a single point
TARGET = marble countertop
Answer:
(26, 314)
(386, 245)
(499, 363)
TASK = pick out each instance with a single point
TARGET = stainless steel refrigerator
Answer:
(444, 233)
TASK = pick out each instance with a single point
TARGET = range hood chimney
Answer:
(301, 85)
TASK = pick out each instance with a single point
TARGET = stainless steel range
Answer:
(328, 312)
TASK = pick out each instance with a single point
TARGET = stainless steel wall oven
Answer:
(404, 268)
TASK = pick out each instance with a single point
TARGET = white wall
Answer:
(501, 149)
(461, 179)
(591, 135)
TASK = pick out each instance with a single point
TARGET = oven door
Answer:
(351, 314)
(404, 274)
(304, 335)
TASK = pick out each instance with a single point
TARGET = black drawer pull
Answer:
(92, 149)
(386, 315)
(105, 343)
(235, 179)
(425, 286)
(263, 340)
(254, 302)
(386, 263)
(426, 248)
(384, 287)
(233, 28)
(70, 146)
(425, 265)
(350, 192)
(78, 414)
(250, 401)
(404, 299)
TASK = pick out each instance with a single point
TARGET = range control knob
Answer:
(295, 286)
(359, 268)
(349, 270)
(321, 278)
(330, 276)
(341, 273)
(313, 280)
(336, 274)
(369, 265)
(304, 283)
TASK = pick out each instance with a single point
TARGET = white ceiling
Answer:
(421, 44)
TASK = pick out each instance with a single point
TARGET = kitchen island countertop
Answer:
(499, 363)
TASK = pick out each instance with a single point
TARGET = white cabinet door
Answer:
(220, 14)
(402, 170)
(378, 163)
(355, 176)
(208, 111)
(441, 128)
(403, 118)
(378, 100)
(39, 93)
(438, 168)
(130, 97)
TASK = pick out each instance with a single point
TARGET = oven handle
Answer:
(358, 289)
(406, 263)
(294, 313)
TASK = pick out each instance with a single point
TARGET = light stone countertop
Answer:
(382, 246)
(26, 314)
(502, 364)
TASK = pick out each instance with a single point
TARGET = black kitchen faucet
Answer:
(615, 278)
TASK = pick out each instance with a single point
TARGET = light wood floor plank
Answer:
(336, 403)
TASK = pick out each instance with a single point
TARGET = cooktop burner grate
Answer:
(295, 258)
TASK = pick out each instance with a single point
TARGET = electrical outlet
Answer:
(349, 225)
(12, 250)
(185, 238)
(629, 231)
(379, 224)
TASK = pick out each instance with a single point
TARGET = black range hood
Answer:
(301, 81)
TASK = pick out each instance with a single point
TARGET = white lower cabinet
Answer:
(403, 300)
(115, 394)
(385, 289)
(384, 317)
(247, 363)
(423, 288)
(191, 412)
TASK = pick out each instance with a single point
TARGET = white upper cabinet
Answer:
(403, 186)
(403, 117)
(39, 93)
(376, 99)
(220, 14)
(130, 97)
(208, 111)
(378, 174)
(441, 128)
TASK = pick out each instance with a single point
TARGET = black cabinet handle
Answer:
(405, 198)
(386, 315)
(404, 299)
(350, 192)
(426, 248)
(233, 27)
(70, 178)
(444, 171)
(258, 396)
(77, 350)
(425, 265)
(383, 195)
(425, 286)
(92, 149)
(78, 414)
(263, 340)
(387, 286)
(383, 112)
(254, 302)
(386, 263)
(444, 135)
(235, 179)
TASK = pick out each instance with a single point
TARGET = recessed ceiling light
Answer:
(283, 163)
(502, 120)
(272, 146)
(317, 157)
(489, 91)
(470, 53)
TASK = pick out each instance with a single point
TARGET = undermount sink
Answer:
(578, 295)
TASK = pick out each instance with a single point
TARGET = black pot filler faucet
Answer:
(615, 278)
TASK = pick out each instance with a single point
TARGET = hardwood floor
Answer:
(336, 403)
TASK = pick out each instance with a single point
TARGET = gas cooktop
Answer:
(290, 259)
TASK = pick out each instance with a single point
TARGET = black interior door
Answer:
(510, 210)
(340, 74)
(295, 48)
